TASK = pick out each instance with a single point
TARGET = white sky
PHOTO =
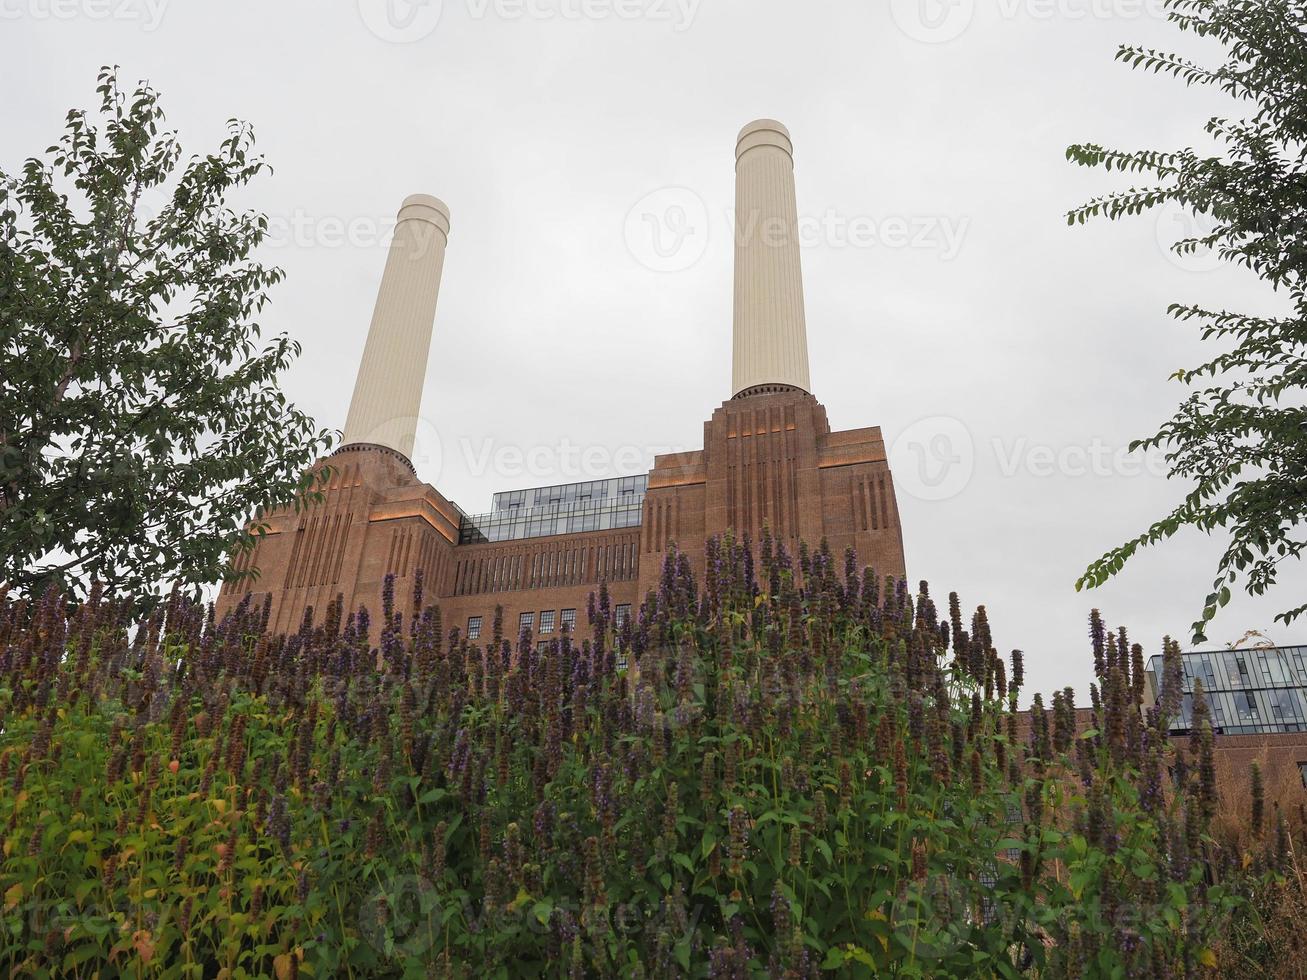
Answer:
(1034, 349)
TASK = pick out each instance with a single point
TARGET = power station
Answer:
(769, 456)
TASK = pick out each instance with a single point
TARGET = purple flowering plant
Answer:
(802, 769)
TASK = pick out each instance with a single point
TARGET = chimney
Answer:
(770, 335)
(388, 391)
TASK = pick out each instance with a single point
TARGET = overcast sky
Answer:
(1009, 359)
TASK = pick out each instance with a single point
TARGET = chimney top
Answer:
(424, 207)
(763, 132)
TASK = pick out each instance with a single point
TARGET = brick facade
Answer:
(768, 456)
(1280, 755)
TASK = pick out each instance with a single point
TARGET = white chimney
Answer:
(388, 391)
(770, 335)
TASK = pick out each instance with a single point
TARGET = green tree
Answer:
(1240, 435)
(141, 422)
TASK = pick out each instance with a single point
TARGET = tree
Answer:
(141, 423)
(1240, 435)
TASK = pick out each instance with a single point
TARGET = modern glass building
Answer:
(1251, 692)
(598, 505)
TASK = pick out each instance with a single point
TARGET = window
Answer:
(621, 614)
(1275, 666)
(988, 879)
(1014, 813)
(1207, 674)
(547, 621)
(526, 621)
(1302, 771)
(474, 627)
(1245, 706)
(569, 620)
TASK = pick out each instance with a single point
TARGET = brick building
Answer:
(769, 455)
(1258, 703)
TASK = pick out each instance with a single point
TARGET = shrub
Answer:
(787, 771)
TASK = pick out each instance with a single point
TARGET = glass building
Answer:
(598, 505)
(1250, 692)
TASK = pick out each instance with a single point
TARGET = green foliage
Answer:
(762, 778)
(1241, 439)
(140, 418)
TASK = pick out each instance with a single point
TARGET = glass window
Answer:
(1302, 771)
(547, 621)
(569, 620)
(1245, 707)
(1220, 712)
(569, 508)
(1274, 665)
(525, 621)
(1285, 706)
(1207, 674)
(1014, 812)
(621, 614)
(474, 627)
(1236, 669)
